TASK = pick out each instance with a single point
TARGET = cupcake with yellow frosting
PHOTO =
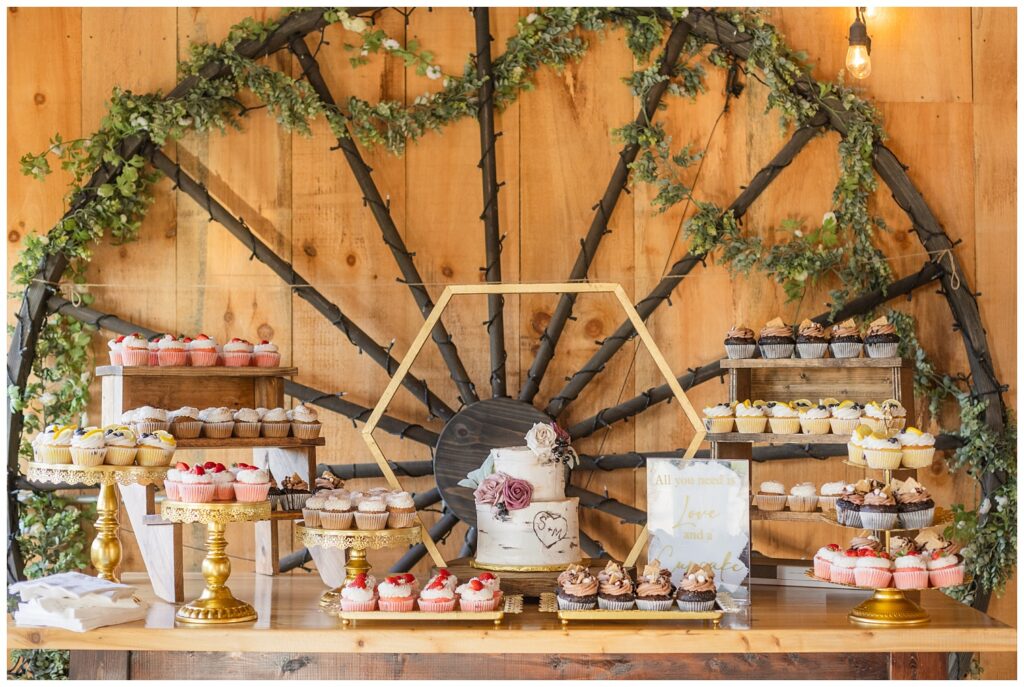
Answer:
(882, 452)
(88, 449)
(918, 448)
(719, 418)
(845, 417)
(156, 448)
(750, 417)
(784, 418)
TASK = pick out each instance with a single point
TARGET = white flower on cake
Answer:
(541, 438)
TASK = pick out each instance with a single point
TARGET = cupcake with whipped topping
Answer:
(719, 418)
(394, 594)
(945, 569)
(918, 448)
(247, 423)
(218, 423)
(784, 418)
(882, 452)
(874, 569)
(401, 509)
(134, 351)
(855, 447)
(223, 481)
(615, 593)
(45, 451)
(846, 340)
(882, 341)
(171, 352)
(740, 343)
(357, 594)
(202, 351)
(879, 511)
(149, 419)
(577, 590)
(156, 449)
(311, 510)
(114, 349)
(750, 418)
(121, 445)
(237, 353)
(654, 590)
(337, 511)
(811, 340)
(697, 590)
(173, 480)
(445, 576)
(476, 597)
(776, 340)
(823, 561)
(252, 484)
(438, 596)
(845, 417)
(184, 423)
(372, 513)
(815, 420)
(305, 422)
(88, 447)
(803, 497)
(58, 451)
(771, 496)
(848, 506)
(910, 570)
(275, 424)
(915, 506)
(265, 354)
(196, 485)
(829, 494)
(153, 348)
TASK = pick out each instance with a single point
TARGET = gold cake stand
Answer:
(105, 551)
(215, 605)
(355, 543)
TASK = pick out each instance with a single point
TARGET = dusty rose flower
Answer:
(490, 489)
(516, 493)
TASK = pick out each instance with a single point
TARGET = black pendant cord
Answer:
(603, 212)
(489, 176)
(389, 232)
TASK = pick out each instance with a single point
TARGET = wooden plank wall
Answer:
(942, 78)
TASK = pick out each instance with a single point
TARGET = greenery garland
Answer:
(841, 247)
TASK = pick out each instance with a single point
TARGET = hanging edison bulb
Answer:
(858, 55)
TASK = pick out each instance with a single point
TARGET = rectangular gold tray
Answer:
(512, 604)
(549, 604)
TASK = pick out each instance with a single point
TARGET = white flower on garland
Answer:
(390, 44)
(531, 17)
(357, 24)
(541, 438)
(985, 507)
(139, 122)
(1001, 502)
(828, 217)
(433, 72)
(47, 399)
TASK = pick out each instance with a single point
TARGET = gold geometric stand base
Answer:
(205, 611)
(889, 607)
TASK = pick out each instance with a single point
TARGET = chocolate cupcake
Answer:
(697, 591)
(811, 340)
(846, 340)
(879, 510)
(740, 343)
(296, 492)
(882, 340)
(577, 590)
(616, 592)
(654, 590)
(776, 340)
(915, 507)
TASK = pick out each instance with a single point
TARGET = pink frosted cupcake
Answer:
(357, 594)
(223, 481)
(841, 570)
(202, 351)
(237, 353)
(437, 596)
(196, 486)
(393, 594)
(171, 352)
(134, 351)
(475, 596)
(153, 346)
(114, 349)
(251, 484)
(265, 354)
(945, 569)
(173, 481)
(910, 571)
(873, 569)
(823, 561)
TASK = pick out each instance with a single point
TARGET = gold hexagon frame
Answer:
(484, 289)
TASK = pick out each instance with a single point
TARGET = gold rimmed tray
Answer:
(358, 539)
(549, 604)
(510, 604)
(865, 466)
(215, 512)
(942, 517)
(67, 473)
(810, 573)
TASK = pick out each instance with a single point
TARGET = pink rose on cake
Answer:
(516, 493)
(504, 493)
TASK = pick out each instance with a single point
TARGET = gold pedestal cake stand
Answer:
(355, 543)
(105, 551)
(215, 605)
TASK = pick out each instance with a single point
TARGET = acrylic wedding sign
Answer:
(698, 511)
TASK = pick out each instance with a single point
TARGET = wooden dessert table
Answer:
(795, 632)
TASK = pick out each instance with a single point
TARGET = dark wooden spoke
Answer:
(441, 529)
(489, 175)
(468, 544)
(663, 290)
(302, 288)
(296, 559)
(591, 547)
(427, 498)
(406, 468)
(599, 225)
(606, 504)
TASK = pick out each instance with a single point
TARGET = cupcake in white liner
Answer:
(247, 423)
(616, 593)
(776, 340)
(750, 418)
(740, 343)
(156, 448)
(184, 423)
(845, 417)
(275, 424)
(855, 447)
(882, 452)
(88, 447)
(811, 340)
(697, 590)
(828, 494)
(654, 590)
(815, 420)
(918, 448)
(915, 507)
(121, 445)
(337, 511)
(305, 422)
(149, 419)
(846, 340)
(882, 341)
(879, 510)
(771, 496)
(784, 418)
(577, 589)
(401, 509)
(719, 418)
(372, 513)
(218, 423)
(803, 497)
(311, 511)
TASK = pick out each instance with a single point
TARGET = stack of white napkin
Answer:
(76, 602)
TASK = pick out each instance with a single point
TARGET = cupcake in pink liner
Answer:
(252, 484)
(265, 354)
(218, 423)
(395, 595)
(134, 351)
(410, 579)
(185, 423)
(357, 594)
(153, 346)
(841, 570)
(114, 349)
(196, 486)
(237, 353)
(247, 423)
(910, 571)
(173, 480)
(445, 577)
(474, 596)
(171, 352)
(437, 597)
(223, 481)
(823, 561)
(202, 351)
(305, 422)
(874, 569)
(275, 423)
(945, 569)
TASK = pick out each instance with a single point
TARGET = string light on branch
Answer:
(858, 55)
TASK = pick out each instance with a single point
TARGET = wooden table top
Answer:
(783, 620)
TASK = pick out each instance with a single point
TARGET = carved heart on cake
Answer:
(550, 528)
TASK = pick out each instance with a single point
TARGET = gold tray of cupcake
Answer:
(942, 517)
(508, 604)
(549, 604)
(968, 578)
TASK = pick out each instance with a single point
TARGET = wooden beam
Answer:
(605, 504)
(409, 468)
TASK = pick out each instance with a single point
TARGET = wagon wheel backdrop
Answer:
(496, 404)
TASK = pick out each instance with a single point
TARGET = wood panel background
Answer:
(944, 79)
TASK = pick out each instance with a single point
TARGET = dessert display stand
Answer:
(549, 604)
(160, 542)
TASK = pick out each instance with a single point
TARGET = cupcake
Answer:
(882, 341)
(898, 545)
(842, 567)
(46, 450)
(897, 414)
(202, 351)
(438, 596)
(811, 340)
(184, 423)
(156, 448)
(879, 510)
(88, 448)
(776, 340)
(740, 343)
(654, 589)
(247, 423)
(697, 591)
(616, 592)
(803, 497)
(218, 423)
(372, 513)
(784, 418)
(918, 448)
(311, 510)
(237, 353)
(846, 341)
(295, 492)
(173, 480)
(393, 594)
(874, 569)
(196, 486)
(265, 354)
(829, 494)
(445, 577)
(149, 419)
(945, 569)
(327, 480)
(357, 594)
(305, 423)
(845, 417)
(121, 445)
(823, 561)
(610, 568)
(401, 509)
(882, 452)
(869, 541)
(815, 420)
(171, 352)
(771, 496)
(223, 481)
(718, 418)
(251, 484)
(910, 571)
(750, 419)
(114, 350)
(337, 512)
(275, 424)
(848, 506)
(855, 447)
(475, 596)
(153, 349)
(577, 589)
(914, 505)
(134, 351)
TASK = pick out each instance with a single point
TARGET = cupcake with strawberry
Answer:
(202, 351)
(134, 351)
(395, 594)
(910, 570)
(475, 596)
(438, 596)
(173, 480)
(357, 594)
(445, 576)
(196, 485)
(114, 349)
(251, 483)
(171, 352)
(945, 568)
(237, 353)
(842, 566)
(265, 354)
(153, 351)
(823, 561)
(874, 569)
(223, 481)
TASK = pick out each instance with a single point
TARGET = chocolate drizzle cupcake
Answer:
(697, 591)
(914, 504)
(882, 340)
(811, 340)
(577, 589)
(846, 340)
(879, 510)
(776, 340)
(654, 588)
(740, 343)
(615, 593)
